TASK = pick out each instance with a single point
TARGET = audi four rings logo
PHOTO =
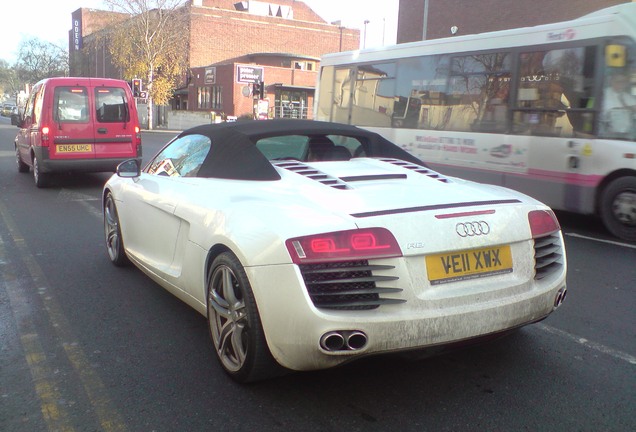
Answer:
(470, 229)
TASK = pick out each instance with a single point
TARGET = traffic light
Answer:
(136, 87)
(258, 90)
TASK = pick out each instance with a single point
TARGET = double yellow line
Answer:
(54, 412)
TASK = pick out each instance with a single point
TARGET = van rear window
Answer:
(110, 105)
(70, 105)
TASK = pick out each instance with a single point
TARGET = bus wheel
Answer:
(618, 208)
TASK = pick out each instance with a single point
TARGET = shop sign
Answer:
(77, 34)
(210, 76)
(249, 74)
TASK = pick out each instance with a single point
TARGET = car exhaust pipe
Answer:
(332, 341)
(343, 340)
(560, 297)
(356, 340)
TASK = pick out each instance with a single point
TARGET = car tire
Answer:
(22, 167)
(234, 323)
(618, 208)
(41, 179)
(112, 233)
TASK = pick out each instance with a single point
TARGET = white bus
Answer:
(532, 109)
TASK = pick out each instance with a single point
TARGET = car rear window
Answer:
(70, 105)
(299, 147)
(111, 105)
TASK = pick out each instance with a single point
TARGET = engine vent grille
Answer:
(348, 285)
(312, 173)
(547, 256)
(417, 168)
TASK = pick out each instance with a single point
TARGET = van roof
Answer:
(85, 81)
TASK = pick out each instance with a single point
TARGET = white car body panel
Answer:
(171, 226)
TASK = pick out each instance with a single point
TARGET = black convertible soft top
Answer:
(234, 155)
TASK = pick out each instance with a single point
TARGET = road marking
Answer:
(54, 413)
(615, 243)
(69, 195)
(589, 344)
(91, 209)
(109, 418)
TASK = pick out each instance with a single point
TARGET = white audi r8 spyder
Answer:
(308, 244)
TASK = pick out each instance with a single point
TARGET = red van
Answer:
(77, 125)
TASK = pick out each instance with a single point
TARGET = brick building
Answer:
(232, 46)
(432, 19)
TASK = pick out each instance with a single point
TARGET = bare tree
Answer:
(38, 59)
(151, 44)
(8, 78)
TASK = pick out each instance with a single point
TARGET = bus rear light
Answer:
(542, 223)
(364, 243)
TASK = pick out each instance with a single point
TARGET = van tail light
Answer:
(138, 140)
(363, 243)
(543, 222)
(45, 136)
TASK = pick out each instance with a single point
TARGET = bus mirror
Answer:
(615, 55)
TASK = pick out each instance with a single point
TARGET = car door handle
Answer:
(102, 130)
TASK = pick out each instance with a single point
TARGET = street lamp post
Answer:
(364, 43)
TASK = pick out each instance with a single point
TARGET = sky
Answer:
(52, 21)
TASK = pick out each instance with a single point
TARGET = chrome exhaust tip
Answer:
(332, 341)
(343, 340)
(356, 340)
(560, 297)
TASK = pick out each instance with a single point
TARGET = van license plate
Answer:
(74, 148)
(468, 264)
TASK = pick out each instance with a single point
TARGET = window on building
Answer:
(305, 65)
(210, 98)
(291, 104)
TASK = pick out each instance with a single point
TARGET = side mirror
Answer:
(130, 168)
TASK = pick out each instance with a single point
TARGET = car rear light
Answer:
(138, 138)
(45, 136)
(343, 245)
(542, 223)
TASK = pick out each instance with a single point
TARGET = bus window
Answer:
(420, 99)
(341, 95)
(618, 106)
(373, 95)
(556, 89)
(479, 87)
(618, 116)
(325, 96)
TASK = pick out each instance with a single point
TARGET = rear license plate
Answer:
(468, 264)
(74, 148)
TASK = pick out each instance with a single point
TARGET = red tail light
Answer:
(343, 245)
(542, 223)
(137, 139)
(45, 136)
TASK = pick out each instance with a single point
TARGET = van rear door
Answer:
(72, 128)
(114, 131)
